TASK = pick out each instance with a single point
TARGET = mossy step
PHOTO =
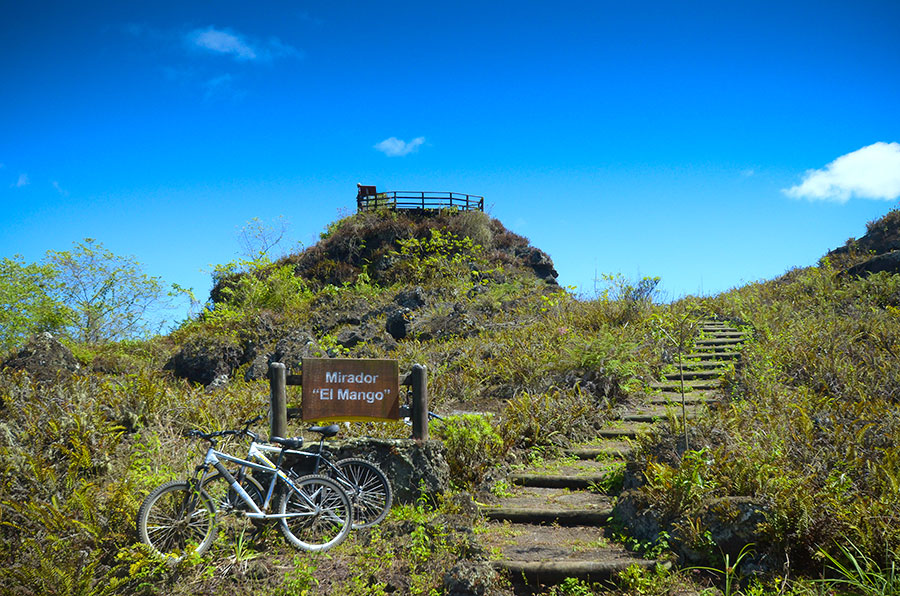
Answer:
(702, 364)
(694, 385)
(723, 335)
(542, 505)
(555, 571)
(674, 398)
(629, 431)
(653, 417)
(540, 554)
(726, 341)
(713, 356)
(579, 474)
(657, 413)
(607, 449)
(538, 516)
(694, 374)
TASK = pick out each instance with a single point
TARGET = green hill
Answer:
(808, 428)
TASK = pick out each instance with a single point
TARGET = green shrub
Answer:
(473, 447)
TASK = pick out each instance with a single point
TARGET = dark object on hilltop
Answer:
(44, 359)
(369, 199)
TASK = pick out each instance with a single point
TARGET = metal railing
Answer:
(408, 199)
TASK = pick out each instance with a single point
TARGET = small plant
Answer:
(730, 570)
(860, 574)
(612, 482)
(501, 489)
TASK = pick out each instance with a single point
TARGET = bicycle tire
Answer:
(176, 520)
(322, 513)
(369, 489)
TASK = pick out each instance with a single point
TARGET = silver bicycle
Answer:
(180, 517)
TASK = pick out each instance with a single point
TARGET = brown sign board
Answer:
(350, 389)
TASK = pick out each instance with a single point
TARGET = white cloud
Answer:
(227, 42)
(60, 189)
(22, 181)
(394, 147)
(221, 41)
(872, 172)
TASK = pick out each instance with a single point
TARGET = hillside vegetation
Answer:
(810, 430)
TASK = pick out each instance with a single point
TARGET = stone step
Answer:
(547, 555)
(660, 410)
(624, 431)
(693, 374)
(551, 572)
(717, 365)
(543, 505)
(563, 517)
(697, 385)
(674, 397)
(722, 334)
(726, 341)
(707, 356)
(580, 474)
(715, 350)
(608, 449)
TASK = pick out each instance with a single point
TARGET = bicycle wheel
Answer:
(176, 520)
(318, 513)
(368, 487)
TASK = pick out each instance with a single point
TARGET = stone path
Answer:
(552, 523)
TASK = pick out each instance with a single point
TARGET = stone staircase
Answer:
(552, 523)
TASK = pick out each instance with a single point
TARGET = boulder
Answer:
(889, 262)
(397, 323)
(734, 522)
(203, 359)
(473, 578)
(294, 347)
(539, 261)
(290, 350)
(43, 358)
(413, 469)
(411, 298)
(634, 514)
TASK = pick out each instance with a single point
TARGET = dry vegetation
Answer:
(811, 427)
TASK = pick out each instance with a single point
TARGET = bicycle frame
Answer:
(320, 459)
(214, 459)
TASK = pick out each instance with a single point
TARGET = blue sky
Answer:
(708, 143)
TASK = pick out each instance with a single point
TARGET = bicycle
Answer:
(367, 486)
(180, 517)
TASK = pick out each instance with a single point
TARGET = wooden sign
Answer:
(350, 389)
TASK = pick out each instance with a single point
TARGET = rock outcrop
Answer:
(44, 358)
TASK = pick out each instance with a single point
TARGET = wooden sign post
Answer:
(350, 389)
(347, 389)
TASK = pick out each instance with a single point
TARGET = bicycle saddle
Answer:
(326, 431)
(289, 443)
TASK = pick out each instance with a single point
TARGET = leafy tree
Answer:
(26, 304)
(108, 296)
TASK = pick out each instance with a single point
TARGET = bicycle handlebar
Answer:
(211, 437)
